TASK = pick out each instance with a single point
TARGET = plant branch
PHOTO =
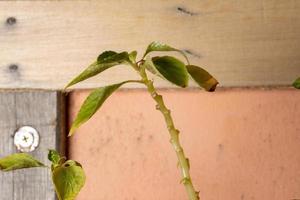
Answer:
(174, 133)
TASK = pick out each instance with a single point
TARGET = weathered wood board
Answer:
(243, 43)
(42, 110)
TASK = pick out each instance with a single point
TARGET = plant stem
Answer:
(174, 133)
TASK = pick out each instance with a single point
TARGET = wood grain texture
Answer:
(8, 126)
(38, 109)
(243, 43)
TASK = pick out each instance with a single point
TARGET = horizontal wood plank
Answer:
(243, 43)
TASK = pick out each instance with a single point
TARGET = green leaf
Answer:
(157, 46)
(148, 64)
(202, 77)
(68, 180)
(296, 83)
(105, 55)
(111, 57)
(132, 56)
(19, 161)
(68, 177)
(53, 156)
(172, 69)
(93, 102)
(104, 61)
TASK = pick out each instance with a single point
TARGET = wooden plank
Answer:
(41, 110)
(7, 125)
(243, 43)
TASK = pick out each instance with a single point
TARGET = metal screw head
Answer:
(26, 139)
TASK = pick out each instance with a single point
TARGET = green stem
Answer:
(174, 133)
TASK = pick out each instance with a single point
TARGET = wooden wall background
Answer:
(243, 43)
